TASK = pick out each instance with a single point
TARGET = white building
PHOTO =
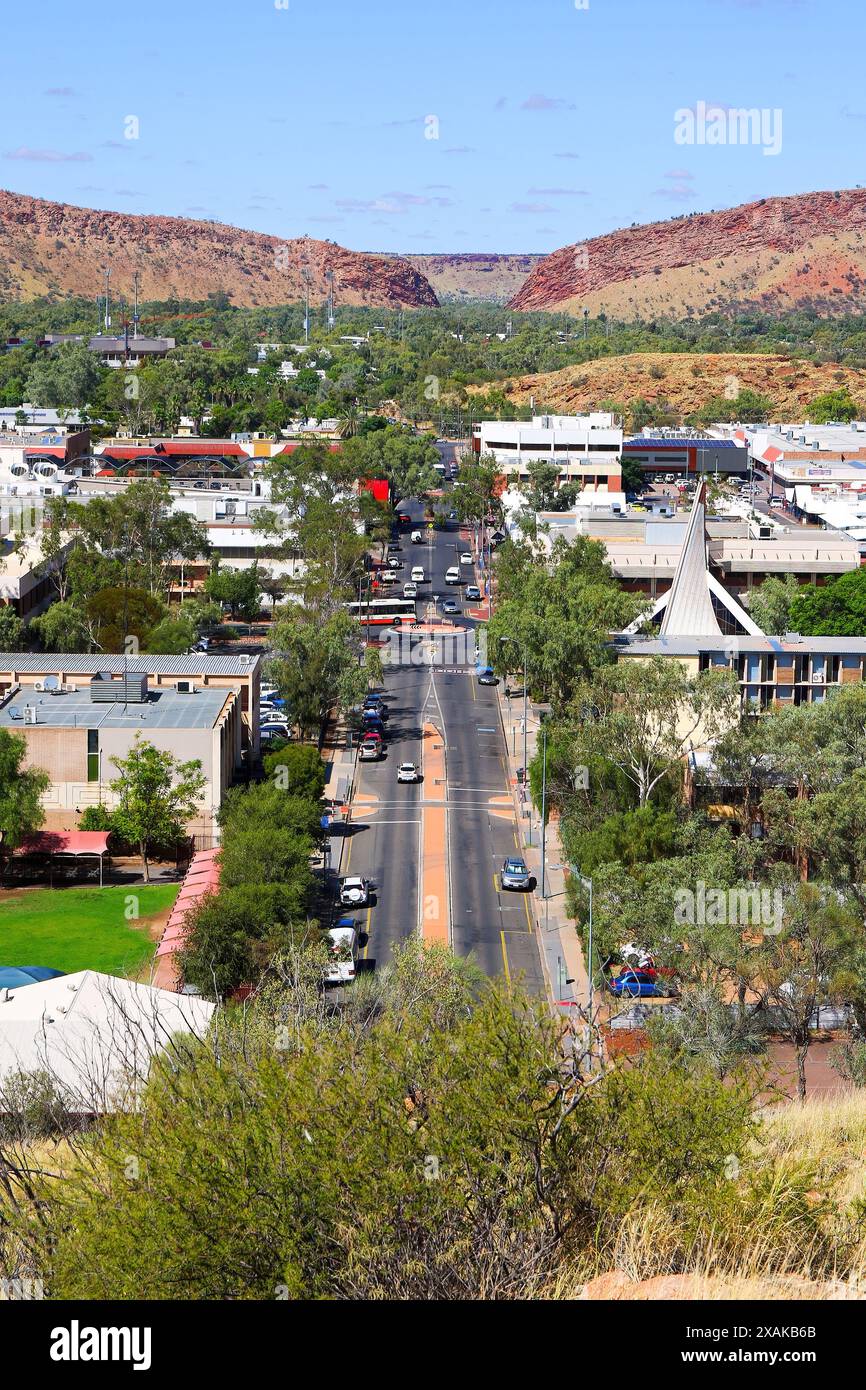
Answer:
(585, 448)
(95, 1035)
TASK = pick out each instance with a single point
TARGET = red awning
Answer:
(65, 842)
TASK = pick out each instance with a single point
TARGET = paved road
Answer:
(494, 926)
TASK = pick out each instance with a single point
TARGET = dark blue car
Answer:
(634, 984)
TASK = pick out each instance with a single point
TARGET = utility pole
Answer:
(107, 273)
(329, 276)
(543, 810)
(305, 276)
(136, 280)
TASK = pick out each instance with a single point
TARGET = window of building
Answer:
(93, 755)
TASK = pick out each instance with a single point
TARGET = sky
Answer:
(428, 125)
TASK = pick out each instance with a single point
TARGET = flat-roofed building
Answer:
(240, 674)
(584, 448)
(75, 728)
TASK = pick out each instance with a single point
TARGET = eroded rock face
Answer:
(777, 254)
(616, 1286)
(56, 248)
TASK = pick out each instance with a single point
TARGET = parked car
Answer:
(408, 772)
(343, 941)
(635, 984)
(393, 546)
(386, 577)
(416, 574)
(514, 873)
(486, 675)
(371, 748)
(416, 538)
(373, 713)
(404, 518)
(354, 892)
(466, 558)
(394, 562)
(472, 591)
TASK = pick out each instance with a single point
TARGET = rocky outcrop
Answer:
(466, 278)
(54, 248)
(775, 254)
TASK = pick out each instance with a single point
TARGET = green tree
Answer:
(772, 603)
(833, 405)
(157, 795)
(66, 378)
(298, 770)
(21, 792)
(171, 635)
(834, 609)
(642, 717)
(316, 665)
(11, 629)
(62, 628)
(116, 615)
(240, 590)
(561, 611)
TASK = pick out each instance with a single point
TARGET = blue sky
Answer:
(553, 123)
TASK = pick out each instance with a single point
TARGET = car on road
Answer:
(417, 574)
(343, 942)
(408, 772)
(636, 984)
(776, 500)
(466, 558)
(371, 748)
(449, 607)
(354, 892)
(452, 575)
(394, 562)
(394, 547)
(404, 518)
(410, 590)
(373, 724)
(384, 577)
(416, 538)
(514, 873)
(472, 591)
(486, 675)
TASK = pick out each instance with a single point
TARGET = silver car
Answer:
(515, 873)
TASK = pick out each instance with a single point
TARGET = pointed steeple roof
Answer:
(687, 608)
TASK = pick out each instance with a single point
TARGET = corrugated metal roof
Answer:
(30, 663)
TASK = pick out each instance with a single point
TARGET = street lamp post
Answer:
(525, 769)
(544, 812)
(587, 883)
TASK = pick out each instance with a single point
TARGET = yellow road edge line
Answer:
(505, 956)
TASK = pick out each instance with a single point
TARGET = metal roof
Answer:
(692, 646)
(163, 709)
(682, 443)
(73, 663)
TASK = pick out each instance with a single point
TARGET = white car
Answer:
(410, 590)
(452, 575)
(415, 538)
(466, 558)
(407, 772)
(417, 574)
(354, 892)
(344, 949)
(635, 955)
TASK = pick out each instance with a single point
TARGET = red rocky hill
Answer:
(53, 248)
(777, 254)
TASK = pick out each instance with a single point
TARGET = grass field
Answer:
(81, 928)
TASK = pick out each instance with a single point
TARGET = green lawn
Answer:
(81, 928)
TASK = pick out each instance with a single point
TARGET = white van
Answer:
(388, 577)
(452, 575)
(344, 949)
(416, 538)
(417, 574)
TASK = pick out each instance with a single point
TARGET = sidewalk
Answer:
(561, 951)
(340, 772)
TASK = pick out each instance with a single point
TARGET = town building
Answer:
(76, 713)
(129, 350)
(703, 626)
(586, 449)
(686, 455)
(94, 1035)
